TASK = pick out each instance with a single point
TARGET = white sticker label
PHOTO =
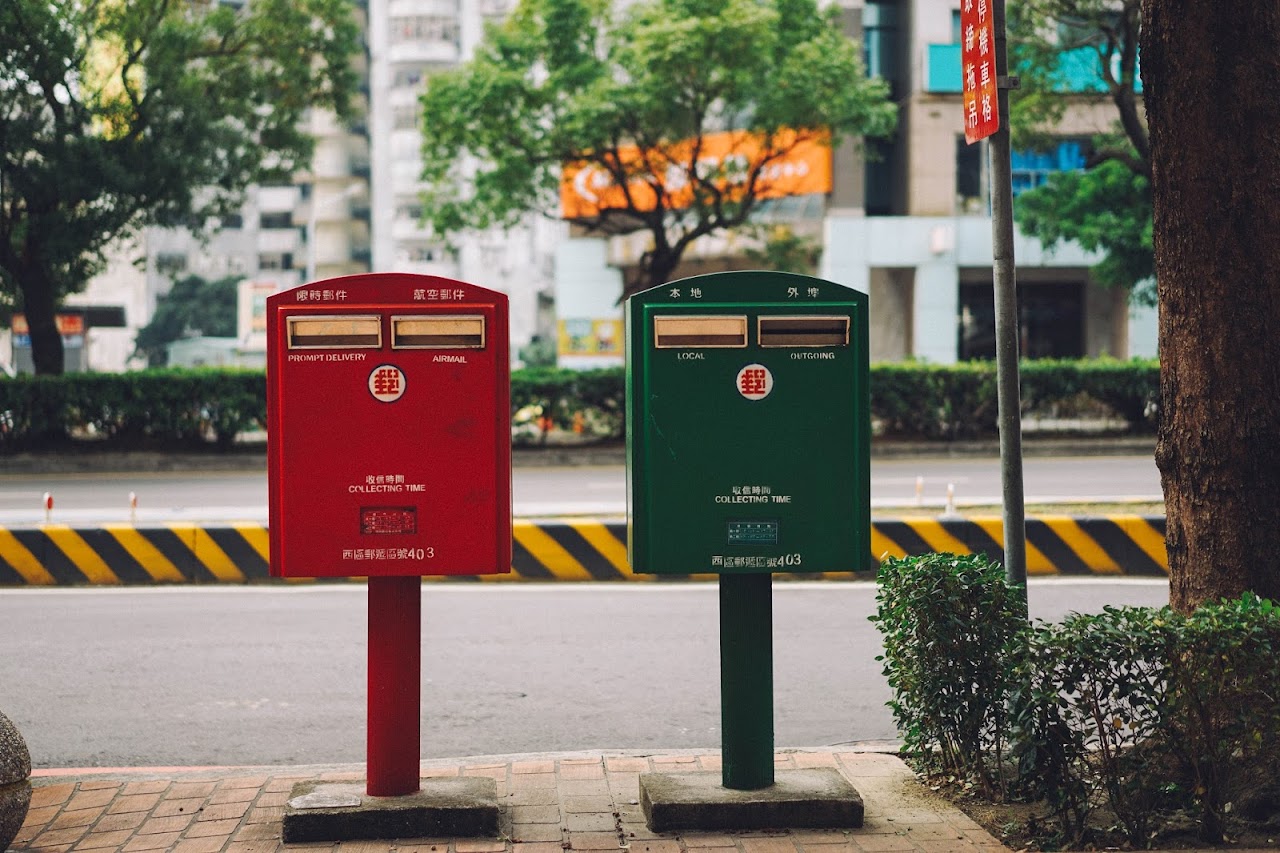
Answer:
(386, 383)
(755, 382)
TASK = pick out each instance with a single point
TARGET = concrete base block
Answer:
(442, 808)
(818, 797)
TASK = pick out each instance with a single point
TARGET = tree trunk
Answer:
(40, 310)
(1211, 77)
(656, 267)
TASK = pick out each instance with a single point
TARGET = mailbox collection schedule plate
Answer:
(389, 447)
(748, 426)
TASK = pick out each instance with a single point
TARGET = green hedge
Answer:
(959, 401)
(546, 398)
(162, 409)
(209, 407)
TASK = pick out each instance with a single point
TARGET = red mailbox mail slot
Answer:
(389, 428)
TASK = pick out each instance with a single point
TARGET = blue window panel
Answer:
(1032, 168)
(944, 69)
(1070, 155)
(1078, 71)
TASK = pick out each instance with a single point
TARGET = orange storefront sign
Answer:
(795, 166)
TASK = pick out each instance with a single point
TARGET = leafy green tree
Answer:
(634, 95)
(193, 306)
(1107, 208)
(119, 115)
(1210, 73)
(782, 249)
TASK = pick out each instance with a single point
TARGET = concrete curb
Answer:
(579, 549)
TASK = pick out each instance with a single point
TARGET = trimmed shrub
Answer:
(1090, 702)
(953, 634)
(1119, 720)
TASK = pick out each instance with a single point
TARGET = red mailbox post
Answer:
(389, 457)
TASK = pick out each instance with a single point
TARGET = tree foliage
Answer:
(1107, 208)
(781, 248)
(119, 115)
(194, 306)
(575, 82)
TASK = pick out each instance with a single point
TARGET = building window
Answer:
(1032, 168)
(971, 176)
(276, 220)
(275, 261)
(171, 263)
(1029, 169)
(880, 164)
(880, 40)
(424, 28)
(1050, 321)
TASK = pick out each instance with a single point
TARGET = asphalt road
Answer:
(598, 490)
(276, 675)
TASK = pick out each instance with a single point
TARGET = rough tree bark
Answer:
(1211, 76)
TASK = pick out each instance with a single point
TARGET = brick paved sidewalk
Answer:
(580, 801)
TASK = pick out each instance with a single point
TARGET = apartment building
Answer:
(920, 242)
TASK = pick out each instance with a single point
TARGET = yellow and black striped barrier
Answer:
(549, 550)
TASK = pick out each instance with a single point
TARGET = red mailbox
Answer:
(389, 428)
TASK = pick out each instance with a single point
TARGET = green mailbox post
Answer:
(748, 421)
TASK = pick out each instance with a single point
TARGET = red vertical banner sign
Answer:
(978, 68)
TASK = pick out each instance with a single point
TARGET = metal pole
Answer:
(395, 667)
(1006, 297)
(746, 681)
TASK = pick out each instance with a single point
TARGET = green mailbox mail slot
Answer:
(748, 421)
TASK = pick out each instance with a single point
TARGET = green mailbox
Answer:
(748, 420)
